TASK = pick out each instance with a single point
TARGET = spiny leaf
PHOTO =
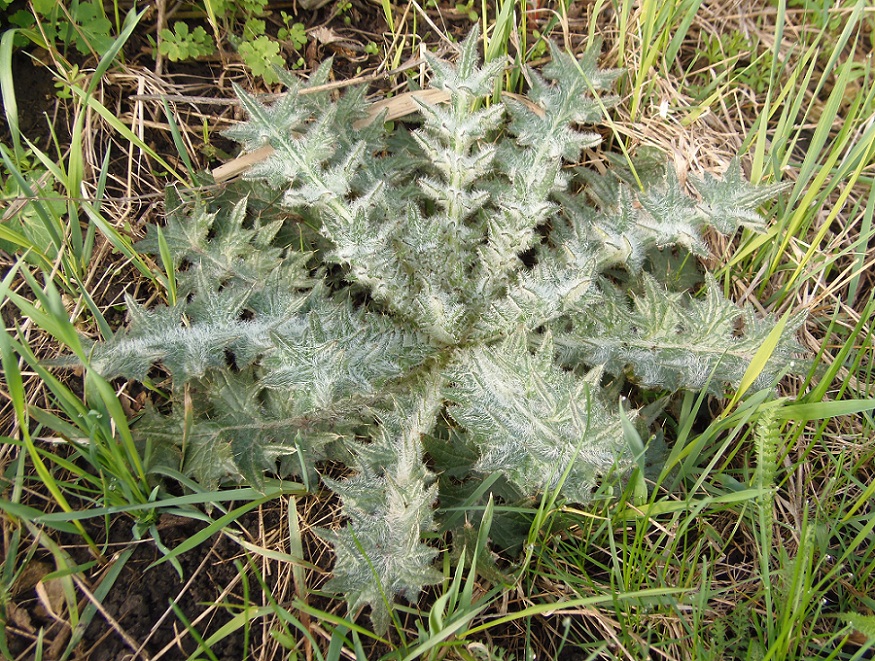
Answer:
(732, 201)
(670, 340)
(531, 420)
(466, 78)
(459, 281)
(389, 506)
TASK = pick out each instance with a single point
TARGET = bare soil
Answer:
(141, 595)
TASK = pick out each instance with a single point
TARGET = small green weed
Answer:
(254, 28)
(467, 8)
(228, 9)
(82, 25)
(261, 55)
(243, 26)
(182, 43)
(343, 8)
(293, 32)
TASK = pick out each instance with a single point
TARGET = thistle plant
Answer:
(432, 306)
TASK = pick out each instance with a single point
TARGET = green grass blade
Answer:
(178, 142)
(193, 632)
(216, 526)
(758, 363)
(867, 230)
(182, 504)
(7, 91)
(110, 57)
(54, 227)
(107, 582)
(27, 513)
(575, 604)
(825, 410)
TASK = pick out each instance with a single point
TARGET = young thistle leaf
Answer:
(732, 201)
(538, 425)
(400, 292)
(389, 507)
(672, 341)
(466, 79)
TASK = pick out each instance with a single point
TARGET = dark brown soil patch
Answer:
(34, 96)
(142, 595)
(139, 600)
